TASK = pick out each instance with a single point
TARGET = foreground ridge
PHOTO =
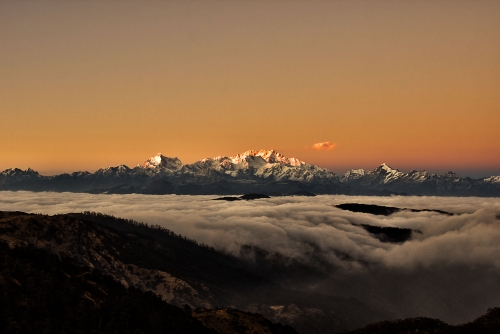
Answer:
(95, 273)
(488, 323)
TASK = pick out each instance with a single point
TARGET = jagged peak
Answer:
(387, 169)
(18, 171)
(359, 171)
(161, 161)
(385, 166)
(119, 167)
(114, 169)
(353, 174)
(270, 156)
(217, 158)
(492, 179)
(419, 172)
(451, 174)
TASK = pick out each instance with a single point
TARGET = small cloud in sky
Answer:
(323, 146)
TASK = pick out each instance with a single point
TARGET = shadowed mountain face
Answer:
(264, 171)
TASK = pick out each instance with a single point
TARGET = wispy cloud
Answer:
(323, 146)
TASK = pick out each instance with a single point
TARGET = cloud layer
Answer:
(463, 248)
(290, 225)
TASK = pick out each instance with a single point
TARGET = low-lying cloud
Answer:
(462, 248)
(293, 226)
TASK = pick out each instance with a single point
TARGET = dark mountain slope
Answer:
(136, 254)
(42, 294)
(161, 249)
(181, 272)
(486, 324)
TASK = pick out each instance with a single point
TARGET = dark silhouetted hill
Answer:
(489, 323)
(86, 266)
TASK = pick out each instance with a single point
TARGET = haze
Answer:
(90, 84)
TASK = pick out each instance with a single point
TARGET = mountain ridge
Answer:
(178, 271)
(265, 171)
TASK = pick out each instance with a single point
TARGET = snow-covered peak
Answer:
(353, 174)
(451, 175)
(492, 179)
(119, 168)
(270, 156)
(153, 162)
(122, 167)
(114, 170)
(267, 164)
(388, 173)
(160, 161)
(420, 176)
(18, 171)
(387, 168)
(356, 172)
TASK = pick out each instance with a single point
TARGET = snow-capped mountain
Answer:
(267, 164)
(383, 174)
(421, 182)
(269, 156)
(491, 179)
(18, 172)
(117, 170)
(251, 171)
(163, 163)
(12, 175)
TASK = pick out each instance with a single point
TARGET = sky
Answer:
(91, 84)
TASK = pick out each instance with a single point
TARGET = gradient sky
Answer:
(90, 84)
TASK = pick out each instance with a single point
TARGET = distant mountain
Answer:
(265, 164)
(162, 163)
(264, 171)
(415, 182)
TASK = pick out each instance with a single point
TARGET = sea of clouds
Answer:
(452, 267)
(293, 226)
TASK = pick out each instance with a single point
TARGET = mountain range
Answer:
(264, 171)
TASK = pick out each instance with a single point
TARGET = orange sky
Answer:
(89, 84)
